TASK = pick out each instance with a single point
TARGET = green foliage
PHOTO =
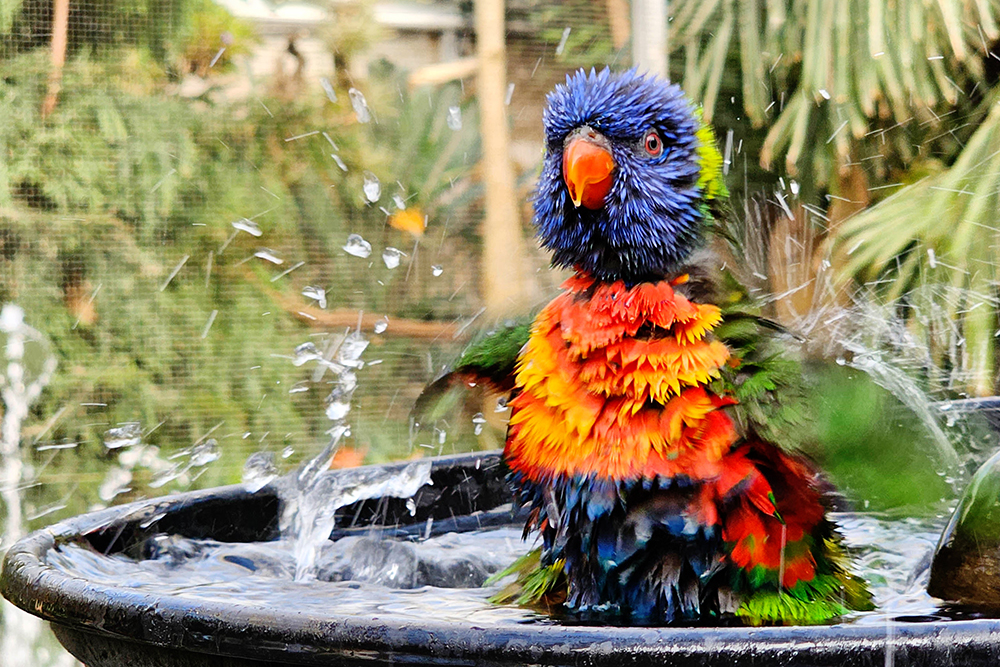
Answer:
(940, 233)
(207, 29)
(126, 183)
(95, 27)
(870, 446)
(829, 79)
(895, 94)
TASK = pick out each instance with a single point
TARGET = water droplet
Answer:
(399, 201)
(299, 387)
(287, 451)
(437, 270)
(510, 93)
(455, 118)
(11, 318)
(478, 420)
(391, 257)
(317, 294)
(340, 163)
(258, 471)
(381, 325)
(123, 435)
(331, 94)
(337, 404)
(348, 381)
(115, 482)
(167, 475)
(562, 42)
(411, 506)
(268, 255)
(357, 246)
(247, 225)
(501, 404)
(205, 452)
(305, 353)
(349, 353)
(151, 520)
(360, 105)
(372, 188)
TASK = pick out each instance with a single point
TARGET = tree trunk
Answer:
(60, 30)
(503, 265)
(619, 22)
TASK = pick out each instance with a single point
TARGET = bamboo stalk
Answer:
(503, 281)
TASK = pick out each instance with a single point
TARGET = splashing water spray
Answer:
(311, 495)
(28, 369)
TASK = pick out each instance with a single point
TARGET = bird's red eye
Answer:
(653, 143)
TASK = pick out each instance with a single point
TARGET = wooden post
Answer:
(649, 36)
(60, 30)
(503, 265)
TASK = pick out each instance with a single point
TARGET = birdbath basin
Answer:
(106, 622)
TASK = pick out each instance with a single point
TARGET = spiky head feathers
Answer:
(648, 215)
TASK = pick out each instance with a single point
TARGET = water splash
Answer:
(862, 330)
(317, 294)
(478, 421)
(268, 255)
(371, 187)
(391, 257)
(311, 517)
(259, 471)
(331, 94)
(454, 119)
(360, 105)
(312, 495)
(249, 226)
(124, 435)
(357, 246)
(29, 368)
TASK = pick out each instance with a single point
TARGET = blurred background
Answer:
(193, 190)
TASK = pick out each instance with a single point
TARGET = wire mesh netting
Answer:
(200, 188)
(200, 198)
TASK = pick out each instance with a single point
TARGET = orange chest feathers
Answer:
(613, 384)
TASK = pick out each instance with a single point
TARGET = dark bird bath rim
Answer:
(107, 625)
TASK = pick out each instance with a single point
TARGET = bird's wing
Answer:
(765, 378)
(490, 360)
(533, 584)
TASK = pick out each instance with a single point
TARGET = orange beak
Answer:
(587, 169)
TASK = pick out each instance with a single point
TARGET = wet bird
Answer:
(647, 433)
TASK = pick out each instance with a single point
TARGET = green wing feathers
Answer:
(534, 585)
(833, 593)
(768, 383)
(489, 360)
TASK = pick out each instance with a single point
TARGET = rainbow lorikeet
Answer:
(647, 401)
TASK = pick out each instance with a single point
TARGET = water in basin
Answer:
(442, 577)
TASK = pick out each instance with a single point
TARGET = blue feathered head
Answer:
(628, 175)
